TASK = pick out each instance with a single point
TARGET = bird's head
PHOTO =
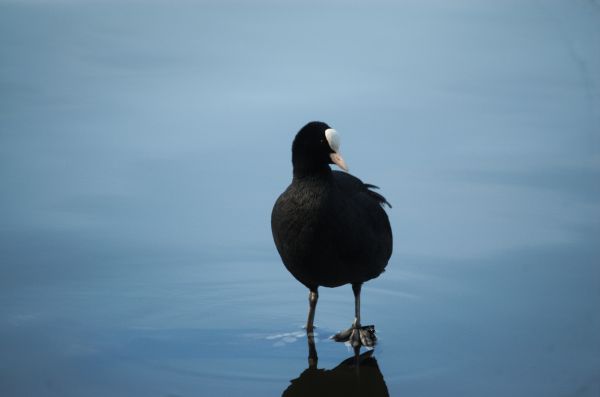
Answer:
(315, 147)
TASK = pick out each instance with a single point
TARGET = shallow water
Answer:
(142, 148)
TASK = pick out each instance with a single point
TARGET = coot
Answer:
(329, 227)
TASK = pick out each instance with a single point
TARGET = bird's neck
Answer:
(302, 171)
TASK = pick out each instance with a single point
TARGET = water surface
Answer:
(142, 147)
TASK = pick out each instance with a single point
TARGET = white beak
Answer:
(333, 139)
(339, 161)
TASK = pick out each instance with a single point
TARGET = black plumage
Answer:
(329, 227)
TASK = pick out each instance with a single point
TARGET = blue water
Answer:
(142, 147)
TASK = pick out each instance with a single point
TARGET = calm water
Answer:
(142, 147)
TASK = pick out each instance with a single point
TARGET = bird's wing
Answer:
(353, 185)
(363, 228)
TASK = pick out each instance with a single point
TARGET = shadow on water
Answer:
(358, 375)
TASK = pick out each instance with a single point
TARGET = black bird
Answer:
(329, 227)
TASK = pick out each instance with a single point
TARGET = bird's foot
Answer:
(357, 336)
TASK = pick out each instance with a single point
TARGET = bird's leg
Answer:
(357, 335)
(356, 290)
(313, 297)
(313, 359)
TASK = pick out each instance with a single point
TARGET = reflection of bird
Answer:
(347, 380)
(329, 227)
